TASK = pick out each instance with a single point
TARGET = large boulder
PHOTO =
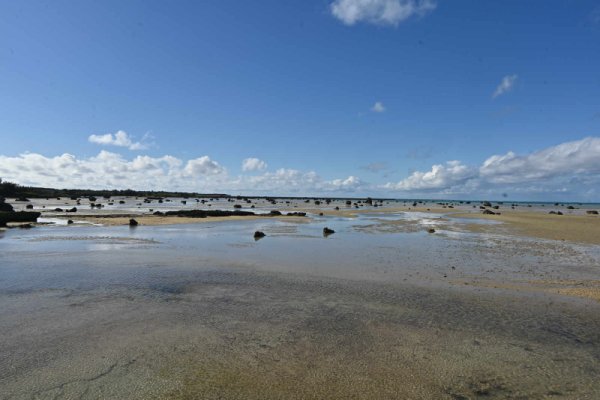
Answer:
(21, 216)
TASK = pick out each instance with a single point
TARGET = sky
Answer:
(389, 98)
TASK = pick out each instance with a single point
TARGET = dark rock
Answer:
(74, 209)
(207, 213)
(348, 202)
(259, 235)
(489, 212)
(22, 199)
(58, 209)
(592, 212)
(121, 201)
(158, 213)
(296, 214)
(570, 208)
(20, 216)
(487, 204)
(327, 231)
(69, 222)
(237, 206)
(5, 207)
(431, 230)
(133, 222)
(275, 213)
(24, 226)
(337, 208)
(29, 206)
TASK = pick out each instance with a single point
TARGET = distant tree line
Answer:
(10, 189)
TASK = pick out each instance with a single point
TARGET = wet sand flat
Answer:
(258, 336)
(381, 309)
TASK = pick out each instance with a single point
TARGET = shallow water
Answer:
(205, 311)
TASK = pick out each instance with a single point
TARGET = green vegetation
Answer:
(9, 189)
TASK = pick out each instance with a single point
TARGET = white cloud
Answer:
(203, 166)
(571, 167)
(440, 177)
(572, 158)
(379, 12)
(202, 174)
(253, 164)
(378, 107)
(110, 170)
(505, 85)
(120, 139)
(351, 182)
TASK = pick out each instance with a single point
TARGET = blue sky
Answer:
(295, 85)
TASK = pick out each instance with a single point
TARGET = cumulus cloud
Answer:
(110, 170)
(505, 85)
(202, 174)
(440, 176)
(253, 164)
(378, 107)
(203, 166)
(379, 12)
(119, 139)
(575, 158)
(351, 182)
(572, 167)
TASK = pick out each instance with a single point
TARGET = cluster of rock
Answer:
(7, 214)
